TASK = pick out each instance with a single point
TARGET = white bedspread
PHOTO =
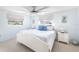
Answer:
(43, 35)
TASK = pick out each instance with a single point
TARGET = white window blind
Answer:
(15, 18)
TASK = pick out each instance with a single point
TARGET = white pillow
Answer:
(50, 27)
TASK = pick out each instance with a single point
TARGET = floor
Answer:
(13, 46)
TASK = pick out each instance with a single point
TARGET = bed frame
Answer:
(35, 43)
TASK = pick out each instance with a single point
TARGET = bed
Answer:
(39, 41)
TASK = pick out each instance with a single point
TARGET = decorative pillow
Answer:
(42, 28)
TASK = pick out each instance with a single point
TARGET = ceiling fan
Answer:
(36, 9)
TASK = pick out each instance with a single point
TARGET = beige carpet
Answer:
(61, 47)
(12, 46)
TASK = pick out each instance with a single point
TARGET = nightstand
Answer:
(63, 37)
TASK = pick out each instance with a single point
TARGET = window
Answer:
(15, 18)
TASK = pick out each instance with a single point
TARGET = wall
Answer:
(70, 26)
(77, 25)
(72, 22)
(3, 25)
(7, 31)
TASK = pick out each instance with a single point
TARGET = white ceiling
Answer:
(25, 9)
(53, 9)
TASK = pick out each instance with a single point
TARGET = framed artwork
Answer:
(64, 19)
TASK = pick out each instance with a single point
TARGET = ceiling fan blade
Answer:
(42, 8)
(28, 8)
(34, 8)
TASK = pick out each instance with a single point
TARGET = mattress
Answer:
(43, 35)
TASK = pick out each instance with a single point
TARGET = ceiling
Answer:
(26, 9)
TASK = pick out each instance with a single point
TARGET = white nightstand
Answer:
(63, 37)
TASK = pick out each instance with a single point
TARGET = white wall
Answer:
(77, 25)
(72, 22)
(3, 25)
(8, 32)
(70, 26)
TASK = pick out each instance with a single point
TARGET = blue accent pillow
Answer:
(42, 28)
